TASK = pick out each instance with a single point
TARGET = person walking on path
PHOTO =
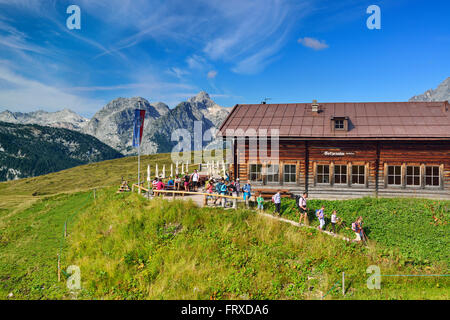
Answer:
(276, 199)
(321, 215)
(358, 230)
(333, 221)
(302, 208)
(260, 201)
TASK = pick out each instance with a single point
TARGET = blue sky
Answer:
(238, 51)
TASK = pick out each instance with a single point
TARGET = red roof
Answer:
(404, 120)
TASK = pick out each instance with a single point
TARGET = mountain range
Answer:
(28, 150)
(113, 124)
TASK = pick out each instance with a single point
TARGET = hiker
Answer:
(187, 178)
(276, 199)
(238, 187)
(177, 182)
(357, 229)
(260, 201)
(170, 183)
(247, 189)
(302, 208)
(232, 189)
(154, 182)
(209, 187)
(194, 179)
(217, 189)
(159, 186)
(321, 215)
(223, 192)
(333, 221)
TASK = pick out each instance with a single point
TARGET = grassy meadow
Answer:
(130, 248)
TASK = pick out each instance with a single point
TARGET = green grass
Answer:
(29, 243)
(130, 248)
(415, 229)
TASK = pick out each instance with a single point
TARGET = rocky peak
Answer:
(202, 100)
(441, 93)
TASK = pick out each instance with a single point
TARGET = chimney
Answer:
(315, 106)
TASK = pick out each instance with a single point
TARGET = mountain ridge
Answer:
(28, 150)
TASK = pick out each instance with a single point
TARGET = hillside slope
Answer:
(33, 150)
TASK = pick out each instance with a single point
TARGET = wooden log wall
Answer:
(307, 155)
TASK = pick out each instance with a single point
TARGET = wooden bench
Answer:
(268, 193)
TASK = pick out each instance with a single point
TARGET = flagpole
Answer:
(139, 164)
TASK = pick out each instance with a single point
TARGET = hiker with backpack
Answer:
(301, 204)
(276, 199)
(223, 192)
(217, 189)
(321, 215)
(358, 230)
(247, 189)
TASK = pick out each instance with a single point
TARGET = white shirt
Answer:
(277, 198)
(333, 218)
(195, 176)
(302, 202)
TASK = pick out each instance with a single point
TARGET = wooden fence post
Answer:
(59, 269)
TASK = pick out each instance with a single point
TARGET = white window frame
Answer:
(358, 175)
(438, 176)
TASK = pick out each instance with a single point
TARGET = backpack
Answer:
(297, 201)
(354, 226)
(223, 187)
(218, 186)
(273, 200)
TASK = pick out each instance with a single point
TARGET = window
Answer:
(323, 173)
(413, 176)
(339, 124)
(358, 174)
(272, 173)
(289, 173)
(255, 172)
(395, 175)
(432, 176)
(340, 174)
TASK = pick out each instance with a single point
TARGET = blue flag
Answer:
(138, 129)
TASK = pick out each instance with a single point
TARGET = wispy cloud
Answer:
(313, 43)
(212, 74)
(20, 94)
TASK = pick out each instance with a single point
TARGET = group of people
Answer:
(357, 226)
(226, 187)
(187, 182)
